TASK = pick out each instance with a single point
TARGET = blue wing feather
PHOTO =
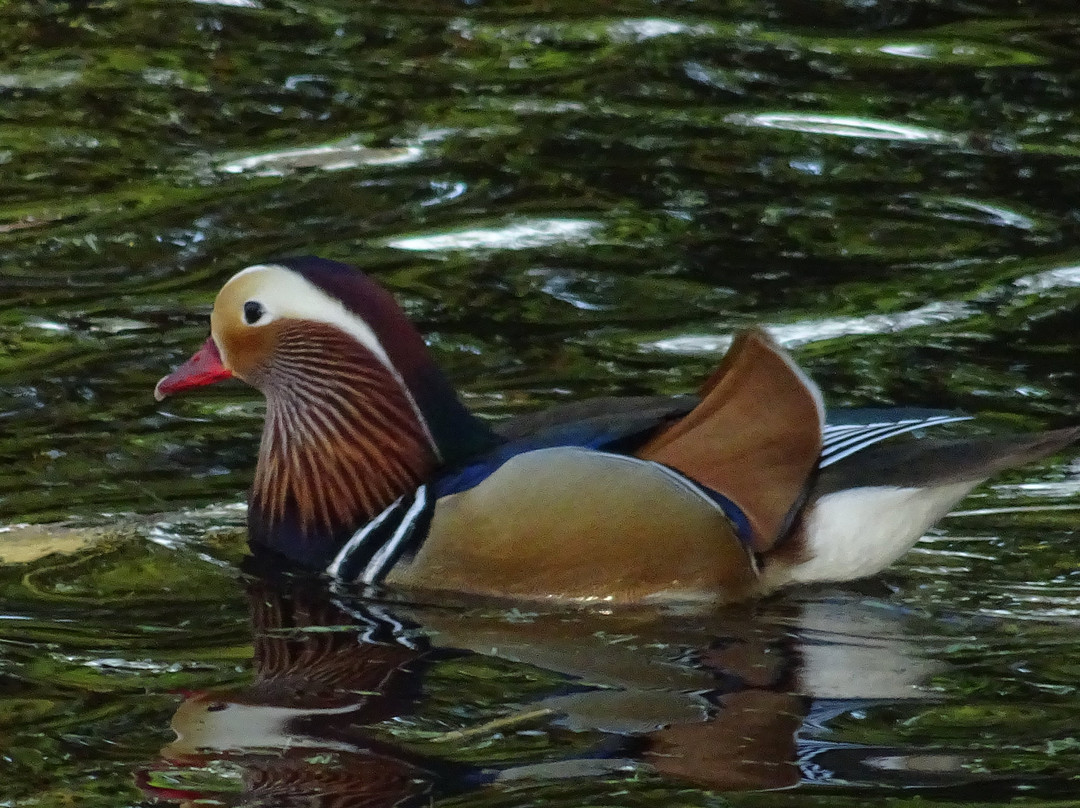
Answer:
(479, 468)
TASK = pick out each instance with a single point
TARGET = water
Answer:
(571, 200)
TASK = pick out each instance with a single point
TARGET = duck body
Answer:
(371, 469)
(583, 514)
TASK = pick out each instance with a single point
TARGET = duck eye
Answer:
(253, 312)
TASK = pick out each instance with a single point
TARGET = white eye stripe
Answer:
(285, 294)
(288, 295)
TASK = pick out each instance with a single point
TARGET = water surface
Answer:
(571, 200)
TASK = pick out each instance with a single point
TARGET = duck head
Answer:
(357, 413)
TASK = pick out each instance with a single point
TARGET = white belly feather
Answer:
(860, 531)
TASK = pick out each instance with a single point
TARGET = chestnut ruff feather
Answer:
(342, 440)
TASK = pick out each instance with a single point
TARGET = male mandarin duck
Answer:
(372, 470)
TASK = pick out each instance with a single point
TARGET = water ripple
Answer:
(516, 236)
(1062, 277)
(801, 333)
(330, 157)
(845, 126)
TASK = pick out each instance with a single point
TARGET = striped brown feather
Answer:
(342, 440)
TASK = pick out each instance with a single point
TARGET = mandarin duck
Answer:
(372, 470)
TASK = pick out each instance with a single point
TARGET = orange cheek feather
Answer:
(248, 348)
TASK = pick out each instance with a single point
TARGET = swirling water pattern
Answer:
(571, 199)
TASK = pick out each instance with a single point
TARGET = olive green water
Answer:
(571, 199)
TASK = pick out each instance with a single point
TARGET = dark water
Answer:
(572, 199)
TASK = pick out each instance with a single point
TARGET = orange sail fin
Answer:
(755, 437)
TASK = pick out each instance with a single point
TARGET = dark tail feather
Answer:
(929, 463)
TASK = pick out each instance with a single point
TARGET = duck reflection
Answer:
(297, 734)
(715, 701)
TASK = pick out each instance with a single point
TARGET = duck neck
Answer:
(342, 440)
